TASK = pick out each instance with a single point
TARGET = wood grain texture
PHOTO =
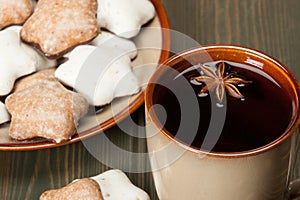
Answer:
(267, 25)
(271, 26)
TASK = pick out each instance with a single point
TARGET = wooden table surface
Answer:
(272, 26)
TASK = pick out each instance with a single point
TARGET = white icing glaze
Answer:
(41, 62)
(4, 116)
(17, 59)
(124, 17)
(110, 40)
(100, 74)
(115, 185)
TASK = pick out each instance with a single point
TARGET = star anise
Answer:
(219, 82)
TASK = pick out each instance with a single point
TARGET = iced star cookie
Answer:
(12, 66)
(13, 12)
(114, 185)
(86, 189)
(47, 110)
(124, 17)
(99, 74)
(57, 26)
(110, 40)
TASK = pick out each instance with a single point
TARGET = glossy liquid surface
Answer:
(240, 125)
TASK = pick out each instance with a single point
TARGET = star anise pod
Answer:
(219, 82)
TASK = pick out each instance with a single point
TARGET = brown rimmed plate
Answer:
(153, 45)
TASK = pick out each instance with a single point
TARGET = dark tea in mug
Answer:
(261, 116)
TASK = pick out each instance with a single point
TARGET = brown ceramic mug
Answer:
(252, 154)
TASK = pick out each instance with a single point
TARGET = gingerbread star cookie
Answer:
(99, 74)
(4, 116)
(13, 12)
(125, 17)
(57, 26)
(47, 110)
(34, 79)
(12, 66)
(85, 188)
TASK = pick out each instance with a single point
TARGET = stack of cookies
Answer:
(58, 57)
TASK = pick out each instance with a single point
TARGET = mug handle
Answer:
(294, 187)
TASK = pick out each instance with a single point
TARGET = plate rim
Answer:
(133, 106)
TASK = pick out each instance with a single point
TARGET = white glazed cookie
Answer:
(28, 60)
(99, 74)
(4, 116)
(115, 185)
(124, 17)
(47, 110)
(13, 12)
(57, 26)
(107, 39)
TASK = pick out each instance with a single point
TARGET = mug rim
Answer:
(295, 119)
